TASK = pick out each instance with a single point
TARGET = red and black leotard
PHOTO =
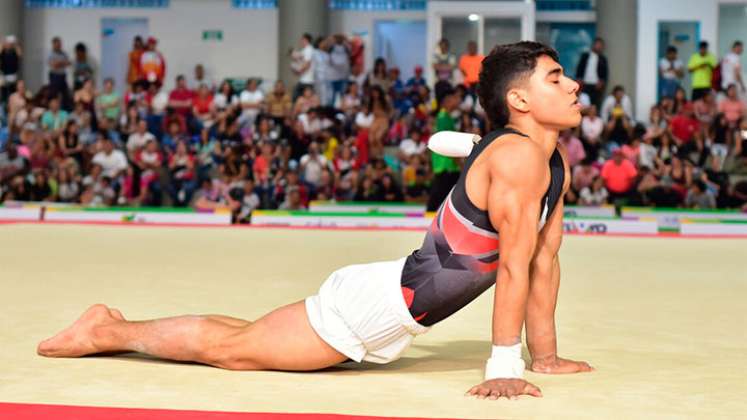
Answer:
(459, 256)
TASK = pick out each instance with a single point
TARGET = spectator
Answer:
(182, 174)
(617, 104)
(322, 72)
(82, 68)
(306, 102)
(684, 125)
(619, 176)
(379, 75)
(152, 64)
(470, 64)
(731, 68)
(40, 189)
(11, 163)
(732, 107)
(58, 63)
(616, 111)
(671, 71)
(444, 64)
(225, 98)
(202, 106)
(647, 152)
(583, 175)
(446, 170)
(389, 191)
(10, 65)
(181, 99)
(705, 108)
(700, 66)
(86, 96)
(592, 128)
(699, 197)
(113, 162)
(720, 134)
(573, 147)
(680, 100)
(656, 123)
(199, 78)
(279, 105)
(249, 202)
(251, 102)
(16, 102)
(416, 80)
(382, 113)
(68, 189)
(595, 195)
(137, 140)
(69, 144)
(55, 118)
(312, 164)
(593, 71)
(109, 102)
(339, 67)
(302, 64)
(351, 102)
(134, 73)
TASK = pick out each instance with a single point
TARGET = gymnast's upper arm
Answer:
(518, 179)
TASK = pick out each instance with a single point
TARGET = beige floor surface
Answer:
(662, 320)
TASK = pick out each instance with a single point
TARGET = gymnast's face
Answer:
(549, 96)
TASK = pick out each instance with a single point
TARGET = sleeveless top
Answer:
(458, 260)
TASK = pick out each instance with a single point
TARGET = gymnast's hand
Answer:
(558, 365)
(509, 388)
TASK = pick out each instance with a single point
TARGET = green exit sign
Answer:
(212, 35)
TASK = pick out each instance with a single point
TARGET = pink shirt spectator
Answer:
(574, 148)
(732, 109)
(631, 152)
(583, 175)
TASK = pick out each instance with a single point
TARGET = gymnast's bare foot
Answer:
(78, 339)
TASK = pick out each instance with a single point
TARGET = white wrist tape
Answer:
(505, 362)
(453, 143)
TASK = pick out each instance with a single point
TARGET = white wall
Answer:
(650, 12)
(249, 45)
(360, 22)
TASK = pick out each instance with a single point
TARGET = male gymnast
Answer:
(501, 224)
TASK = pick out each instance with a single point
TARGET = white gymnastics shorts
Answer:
(360, 312)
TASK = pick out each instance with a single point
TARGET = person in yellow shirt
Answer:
(701, 67)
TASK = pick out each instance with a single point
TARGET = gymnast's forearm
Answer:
(541, 302)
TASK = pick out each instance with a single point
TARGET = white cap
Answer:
(11, 39)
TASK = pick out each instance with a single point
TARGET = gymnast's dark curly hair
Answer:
(505, 65)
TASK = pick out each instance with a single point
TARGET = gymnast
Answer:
(500, 225)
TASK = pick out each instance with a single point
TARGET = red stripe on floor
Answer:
(69, 412)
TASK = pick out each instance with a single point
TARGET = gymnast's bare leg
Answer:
(281, 340)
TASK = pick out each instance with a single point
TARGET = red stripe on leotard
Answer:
(463, 239)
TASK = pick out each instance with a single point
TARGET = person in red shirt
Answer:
(263, 163)
(619, 175)
(181, 98)
(684, 125)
